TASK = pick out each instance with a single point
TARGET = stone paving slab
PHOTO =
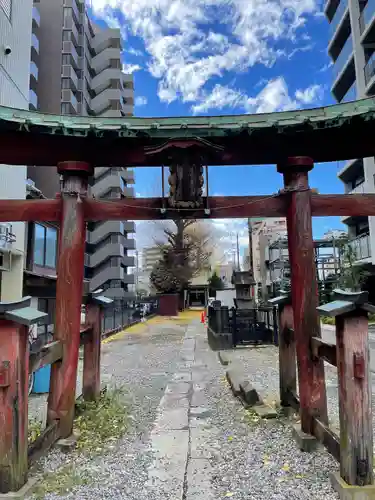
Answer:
(199, 472)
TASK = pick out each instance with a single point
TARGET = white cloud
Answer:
(304, 48)
(186, 52)
(310, 95)
(326, 67)
(130, 68)
(140, 100)
(273, 97)
(135, 52)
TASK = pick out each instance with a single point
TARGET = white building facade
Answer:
(15, 40)
(352, 50)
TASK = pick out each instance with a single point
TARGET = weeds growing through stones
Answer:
(34, 430)
(61, 482)
(98, 425)
(101, 423)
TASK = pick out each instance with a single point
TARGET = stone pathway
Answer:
(190, 438)
(180, 469)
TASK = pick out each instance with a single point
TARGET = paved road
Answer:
(328, 334)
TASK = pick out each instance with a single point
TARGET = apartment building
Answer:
(262, 232)
(150, 257)
(352, 50)
(15, 36)
(76, 69)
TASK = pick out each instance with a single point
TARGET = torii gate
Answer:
(76, 145)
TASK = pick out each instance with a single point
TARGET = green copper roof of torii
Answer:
(339, 132)
(216, 124)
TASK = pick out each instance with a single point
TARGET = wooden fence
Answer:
(353, 448)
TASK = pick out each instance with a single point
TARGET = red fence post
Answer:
(70, 271)
(353, 369)
(14, 371)
(312, 391)
(287, 351)
(91, 359)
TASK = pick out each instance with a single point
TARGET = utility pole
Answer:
(250, 230)
(238, 254)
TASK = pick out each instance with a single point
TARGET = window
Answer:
(45, 246)
(6, 6)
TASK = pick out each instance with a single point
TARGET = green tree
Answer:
(215, 282)
(352, 276)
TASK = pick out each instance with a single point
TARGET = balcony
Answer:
(107, 38)
(33, 100)
(360, 189)
(366, 21)
(344, 57)
(100, 61)
(75, 9)
(34, 47)
(36, 18)
(341, 11)
(68, 48)
(351, 170)
(102, 81)
(344, 71)
(68, 97)
(370, 72)
(351, 94)
(69, 72)
(361, 247)
(107, 228)
(124, 173)
(70, 26)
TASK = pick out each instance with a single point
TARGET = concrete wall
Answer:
(15, 33)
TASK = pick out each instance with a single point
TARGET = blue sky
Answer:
(199, 57)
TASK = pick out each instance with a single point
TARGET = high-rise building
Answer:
(79, 72)
(352, 50)
(15, 36)
(150, 256)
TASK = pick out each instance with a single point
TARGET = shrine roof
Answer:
(322, 133)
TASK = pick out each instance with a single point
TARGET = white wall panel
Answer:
(15, 33)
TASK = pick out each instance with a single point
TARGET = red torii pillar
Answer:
(69, 288)
(312, 391)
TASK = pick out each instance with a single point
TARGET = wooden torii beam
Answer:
(220, 207)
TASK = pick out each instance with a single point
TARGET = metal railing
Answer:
(361, 247)
(360, 189)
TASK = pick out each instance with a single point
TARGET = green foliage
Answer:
(326, 320)
(172, 273)
(101, 423)
(61, 482)
(215, 282)
(34, 430)
(98, 425)
(141, 293)
(351, 277)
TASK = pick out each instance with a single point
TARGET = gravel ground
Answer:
(258, 460)
(142, 363)
(228, 454)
